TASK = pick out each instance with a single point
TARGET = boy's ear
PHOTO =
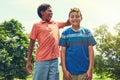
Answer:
(41, 12)
(81, 18)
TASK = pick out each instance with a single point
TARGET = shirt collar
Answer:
(50, 22)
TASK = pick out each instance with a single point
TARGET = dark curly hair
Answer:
(42, 7)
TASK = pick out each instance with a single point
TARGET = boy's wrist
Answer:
(28, 61)
(64, 69)
(90, 69)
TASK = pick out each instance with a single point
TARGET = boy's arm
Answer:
(29, 55)
(63, 50)
(63, 24)
(91, 57)
(91, 62)
(66, 73)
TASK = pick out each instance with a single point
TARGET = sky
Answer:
(94, 12)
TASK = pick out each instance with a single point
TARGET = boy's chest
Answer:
(77, 39)
(48, 28)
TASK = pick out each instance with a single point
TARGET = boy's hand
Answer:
(67, 75)
(89, 75)
(29, 67)
(67, 23)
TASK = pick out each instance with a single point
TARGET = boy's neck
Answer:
(46, 20)
(76, 28)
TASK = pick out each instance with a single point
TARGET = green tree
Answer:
(13, 50)
(99, 66)
(108, 61)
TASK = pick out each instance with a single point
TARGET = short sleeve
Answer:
(33, 33)
(63, 40)
(91, 40)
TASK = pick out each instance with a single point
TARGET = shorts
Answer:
(46, 70)
(78, 77)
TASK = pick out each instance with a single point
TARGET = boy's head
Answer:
(44, 11)
(75, 10)
(75, 16)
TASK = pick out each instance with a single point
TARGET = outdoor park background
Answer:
(102, 17)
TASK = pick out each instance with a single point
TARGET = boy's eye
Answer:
(77, 16)
(72, 16)
(50, 10)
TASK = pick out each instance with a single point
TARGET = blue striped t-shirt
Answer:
(76, 43)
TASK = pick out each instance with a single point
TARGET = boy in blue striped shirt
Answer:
(77, 54)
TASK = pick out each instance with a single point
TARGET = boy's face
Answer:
(47, 14)
(75, 18)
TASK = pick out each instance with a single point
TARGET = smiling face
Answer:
(47, 14)
(75, 18)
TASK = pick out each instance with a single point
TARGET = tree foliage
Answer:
(13, 50)
(108, 61)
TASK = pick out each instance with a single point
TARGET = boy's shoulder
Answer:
(66, 31)
(86, 30)
(38, 24)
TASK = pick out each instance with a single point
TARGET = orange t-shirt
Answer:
(47, 35)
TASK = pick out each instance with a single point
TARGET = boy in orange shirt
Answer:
(46, 32)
